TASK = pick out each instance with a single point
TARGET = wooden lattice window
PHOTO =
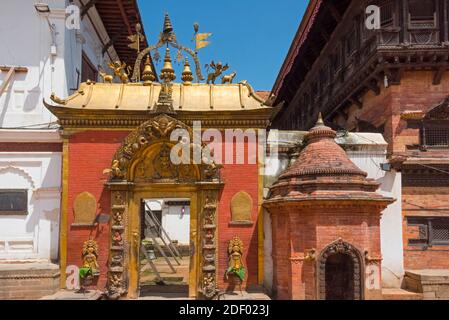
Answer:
(13, 202)
(431, 231)
(435, 137)
(422, 13)
(388, 14)
(440, 231)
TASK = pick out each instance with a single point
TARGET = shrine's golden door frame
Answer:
(141, 169)
(151, 191)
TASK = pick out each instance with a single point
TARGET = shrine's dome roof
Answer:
(323, 170)
(322, 156)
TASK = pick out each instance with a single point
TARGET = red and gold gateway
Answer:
(131, 218)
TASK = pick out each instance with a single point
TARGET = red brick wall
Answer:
(238, 177)
(296, 230)
(89, 154)
(416, 92)
(414, 198)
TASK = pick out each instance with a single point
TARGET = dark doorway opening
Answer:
(339, 277)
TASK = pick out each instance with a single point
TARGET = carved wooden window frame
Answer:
(426, 227)
(412, 24)
(430, 126)
(394, 20)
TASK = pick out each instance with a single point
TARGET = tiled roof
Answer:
(323, 170)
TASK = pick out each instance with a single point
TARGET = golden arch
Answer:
(140, 169)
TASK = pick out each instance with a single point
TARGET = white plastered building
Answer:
(39, 56)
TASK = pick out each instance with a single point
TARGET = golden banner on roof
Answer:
(200, 37)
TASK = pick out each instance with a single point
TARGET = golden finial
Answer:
(148, 74)
(167, 72)
(167, 24)
(320, 122)
(187, 75)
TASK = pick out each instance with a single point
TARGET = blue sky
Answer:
(252, 36)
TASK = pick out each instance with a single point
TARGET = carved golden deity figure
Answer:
(163, 166)
(90, 254)
(235, 251)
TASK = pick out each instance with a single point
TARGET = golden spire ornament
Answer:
(167, 24)
(167, 72)
(148, 74)
(187, 75)
(164, 103)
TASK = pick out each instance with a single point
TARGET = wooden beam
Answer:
(356, 101)
(112, 41)
(124, 16)
(438, 75)
(342, 114)
(334, 12)
(325, 35)
(7, 79)
(86, 7)
(314, 49)
(399, 74)
(372, 85)
(306, 63)
(378, 77)
(16, 69)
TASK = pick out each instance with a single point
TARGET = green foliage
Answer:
(84, 272)
(238, 272)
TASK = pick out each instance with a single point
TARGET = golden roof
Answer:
(132, 102)
(186, 97)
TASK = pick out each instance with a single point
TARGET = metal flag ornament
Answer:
(200, 38)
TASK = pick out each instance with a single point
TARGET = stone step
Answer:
(73, 295)
(400, 294)
(433, 284)
(28, 280)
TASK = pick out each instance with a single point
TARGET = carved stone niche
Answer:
(85, 210)
(241, 209)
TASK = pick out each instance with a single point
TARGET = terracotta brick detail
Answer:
(30, 147)
(324, 200)
(25, 284)
(90, 153)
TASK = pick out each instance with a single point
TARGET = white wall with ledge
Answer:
(28, 44)
(27, 41)
(35, 234)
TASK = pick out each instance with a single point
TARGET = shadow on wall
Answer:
(387, 181)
